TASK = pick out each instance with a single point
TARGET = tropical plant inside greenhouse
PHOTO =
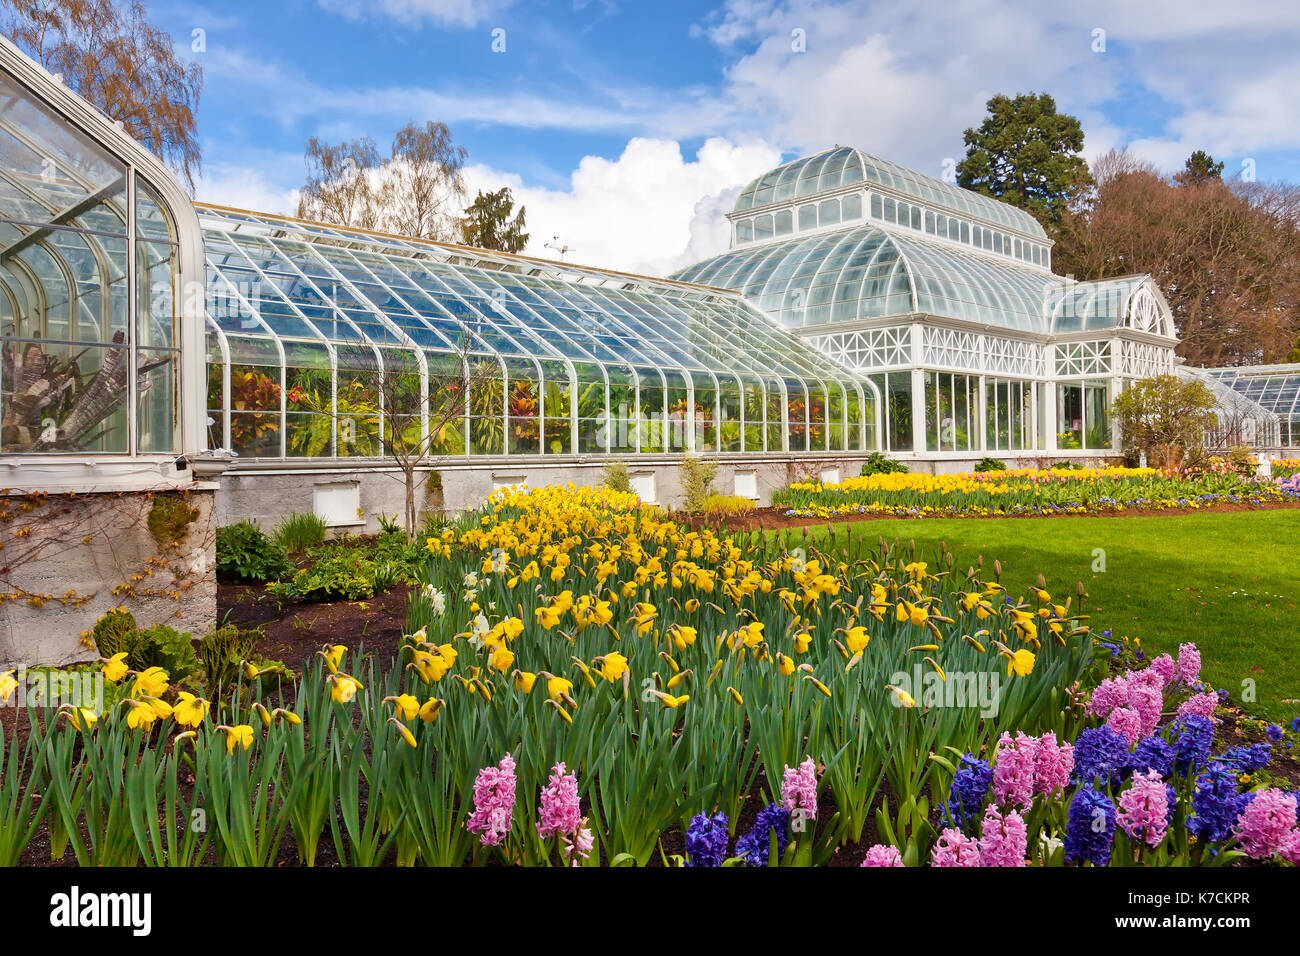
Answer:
(585, 682)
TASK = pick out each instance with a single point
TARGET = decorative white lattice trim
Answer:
(1083, 358)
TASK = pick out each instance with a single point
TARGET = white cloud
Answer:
(244, 187)
(649, 211)
(450, 13)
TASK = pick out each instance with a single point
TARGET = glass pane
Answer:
(899, 391)
(1097, 415)
(63, 398)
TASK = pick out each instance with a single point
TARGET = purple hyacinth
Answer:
(706, 840)
(1153, 753)
(1215, 804)
(1100, 754)
(1192, 736)
(1247, 759)
(970, 787)
(755, 846)
(1090, 829)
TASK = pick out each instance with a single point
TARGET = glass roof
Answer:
(844, 165)
(865, 272)
(278, 280)
(1275, 388)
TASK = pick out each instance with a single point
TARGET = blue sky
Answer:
(628, 127)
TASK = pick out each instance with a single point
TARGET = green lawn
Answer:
(1229, 582)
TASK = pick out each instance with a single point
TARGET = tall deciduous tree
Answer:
(489, 225)
(416, 191)
(1227, 255)
(1027, 154)
(114, 57)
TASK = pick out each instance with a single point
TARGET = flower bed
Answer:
(1286, 468)
(1027, 492)
(584, 682)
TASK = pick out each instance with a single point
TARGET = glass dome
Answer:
(844, 165)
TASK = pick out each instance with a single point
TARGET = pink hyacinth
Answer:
(1165, 668)
(954, 848)
(1126, 722)
(579, 846)
(1147, 700)
(1109, 694)
(1266, 823)
(1144, 809)
(882, 855)
(1013, 770)
(1202, 705)
(1053, 764)
(1138, 692)
(799, 788)
(1189, 664)
(558, 811)
(1290, 848)
(494, 802)
(1004, 841)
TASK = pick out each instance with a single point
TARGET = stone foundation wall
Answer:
(267, 495)
(71, 558)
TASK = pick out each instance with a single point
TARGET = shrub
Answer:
(1242, 460)
(1067, 466)
(615, 477)
(158, 646)
(878, 464)
(726, 504)
(1164, 416)
(332, 573)
(221, 653)
(989, 464)
(111, 631)
(300, 531)
(245, 553)
(697, 481)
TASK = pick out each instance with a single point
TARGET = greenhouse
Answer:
(1275, 391)
(305, 321)
(946, 300)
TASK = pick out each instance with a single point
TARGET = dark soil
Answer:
(294, 632)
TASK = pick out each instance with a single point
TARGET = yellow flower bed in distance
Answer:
(1025, 491)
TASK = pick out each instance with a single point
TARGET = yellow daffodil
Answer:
(404, 732)
(405, 706)
(151, 683)
(334, 657)
(912, 613)
(502, 660)
(613, 666)
(83, 718)
(671, 702)
(429, 710)
(141, 716)
(343, 688)
(240, 736)
(555, 686)
(857, 639)
(114, 667)
(1021, 663)
(189, 710)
